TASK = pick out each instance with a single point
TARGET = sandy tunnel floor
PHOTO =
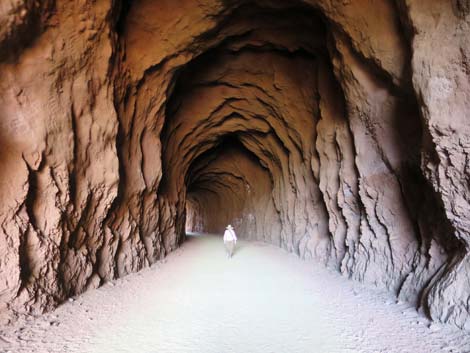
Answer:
(261, 300)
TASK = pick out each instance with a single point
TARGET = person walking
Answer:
(230, 240)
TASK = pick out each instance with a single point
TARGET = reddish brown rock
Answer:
(320, 126)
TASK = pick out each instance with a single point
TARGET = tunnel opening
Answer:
(338, 137)
(226, 185)
(249, 38)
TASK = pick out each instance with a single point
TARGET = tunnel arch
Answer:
(227, 186)
(338, 162)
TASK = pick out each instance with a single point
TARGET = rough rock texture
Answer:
(318, 125)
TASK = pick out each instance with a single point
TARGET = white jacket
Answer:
(230, 235)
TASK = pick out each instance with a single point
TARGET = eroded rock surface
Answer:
(334, 129)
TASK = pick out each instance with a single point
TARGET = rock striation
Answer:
(337, 130)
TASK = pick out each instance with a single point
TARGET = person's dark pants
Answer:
(230, 247)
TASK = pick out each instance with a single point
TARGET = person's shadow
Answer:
(238, 248)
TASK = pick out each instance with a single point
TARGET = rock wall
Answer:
(316, 125)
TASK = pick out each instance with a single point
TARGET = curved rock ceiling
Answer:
(337, 130)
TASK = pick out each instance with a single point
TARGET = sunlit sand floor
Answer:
(261, 300)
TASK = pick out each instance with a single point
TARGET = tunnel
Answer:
(335, 130)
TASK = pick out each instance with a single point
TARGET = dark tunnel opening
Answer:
(223, 186)
(243, 46)
(280, 86)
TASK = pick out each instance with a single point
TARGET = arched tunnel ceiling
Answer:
(328, 128)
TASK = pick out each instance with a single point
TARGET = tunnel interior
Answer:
(220, 187)
(251, 102)
(259, 133)
(305, 124)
